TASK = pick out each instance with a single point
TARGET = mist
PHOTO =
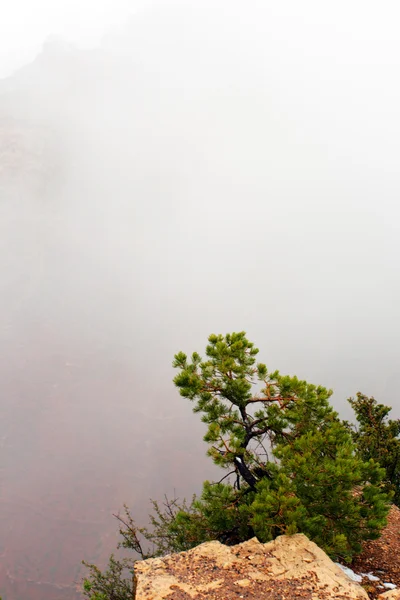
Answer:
(194, 168)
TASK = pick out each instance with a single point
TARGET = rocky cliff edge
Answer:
(289, 567)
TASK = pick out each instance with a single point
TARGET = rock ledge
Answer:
(289, 567)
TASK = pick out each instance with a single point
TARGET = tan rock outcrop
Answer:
(289, 567)
(390, 595)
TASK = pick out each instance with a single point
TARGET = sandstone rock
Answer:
(289, 567)
(390, 595)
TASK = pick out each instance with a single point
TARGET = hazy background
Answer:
(168, 170)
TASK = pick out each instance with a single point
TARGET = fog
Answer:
(194, 167)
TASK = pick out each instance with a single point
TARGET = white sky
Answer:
(292, 105)
(25, 24)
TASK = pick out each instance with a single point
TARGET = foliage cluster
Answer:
(378, 437)
(290, 464)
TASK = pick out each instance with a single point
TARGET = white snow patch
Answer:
(390, 586)
(370, 576)
(350, 574)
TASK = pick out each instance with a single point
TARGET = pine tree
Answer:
(293, 461)
(378, 437)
